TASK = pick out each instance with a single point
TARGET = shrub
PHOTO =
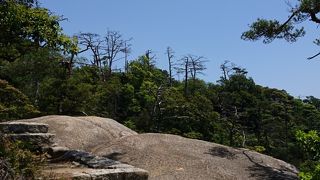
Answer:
(17, 161)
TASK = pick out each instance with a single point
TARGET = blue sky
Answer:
(206, 28)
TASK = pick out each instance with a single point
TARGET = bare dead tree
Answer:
(196, 65)
(126, 50)
(92, 42)
(225, 68)
(228, 68)
(192, 65)
(184, 69)
(114, 44)
(105, 51)
(170, 55)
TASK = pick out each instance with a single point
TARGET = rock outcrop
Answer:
(163, 156)
(89, 166)
(83, 132)
(36, 134)
(85, 165)
(174, 157)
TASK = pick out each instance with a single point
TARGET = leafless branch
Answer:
(316, 55)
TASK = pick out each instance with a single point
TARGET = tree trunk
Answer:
(186, 78)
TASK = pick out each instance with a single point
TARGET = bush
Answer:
(17, 161)
(259, 149)
(310, 143)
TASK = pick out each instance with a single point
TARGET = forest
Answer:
(45, 72)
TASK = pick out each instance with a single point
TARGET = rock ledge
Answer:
(66, 163)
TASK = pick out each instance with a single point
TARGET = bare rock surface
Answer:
(174, 157)
(83, 133)
(164, 156)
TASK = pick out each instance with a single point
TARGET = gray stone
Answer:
(84, 158)
(95, 174)
(113, 174)
(23, 127)
(37, 140)
(57, 151)
(86, 166)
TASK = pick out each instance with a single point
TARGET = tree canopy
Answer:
(25, 27)
(290, 30)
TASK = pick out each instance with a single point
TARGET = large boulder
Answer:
(164, 156)
(174, 157)
(83, 133)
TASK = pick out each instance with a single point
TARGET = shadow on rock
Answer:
(114, 156)
(221, 152)
(260, 171)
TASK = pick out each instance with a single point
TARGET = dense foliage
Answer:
(46, 67)
(14, 104)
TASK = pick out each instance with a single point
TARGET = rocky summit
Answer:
(103, 143)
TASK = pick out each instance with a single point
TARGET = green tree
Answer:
(25, 27)
(14, 104)
(268, 30)
(235, 96)
(145, 80)
(28, 72)
(313, 101)
(76, 95)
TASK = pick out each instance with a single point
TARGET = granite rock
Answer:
(22, 127)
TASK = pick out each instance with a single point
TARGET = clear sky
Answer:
(206, 28)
